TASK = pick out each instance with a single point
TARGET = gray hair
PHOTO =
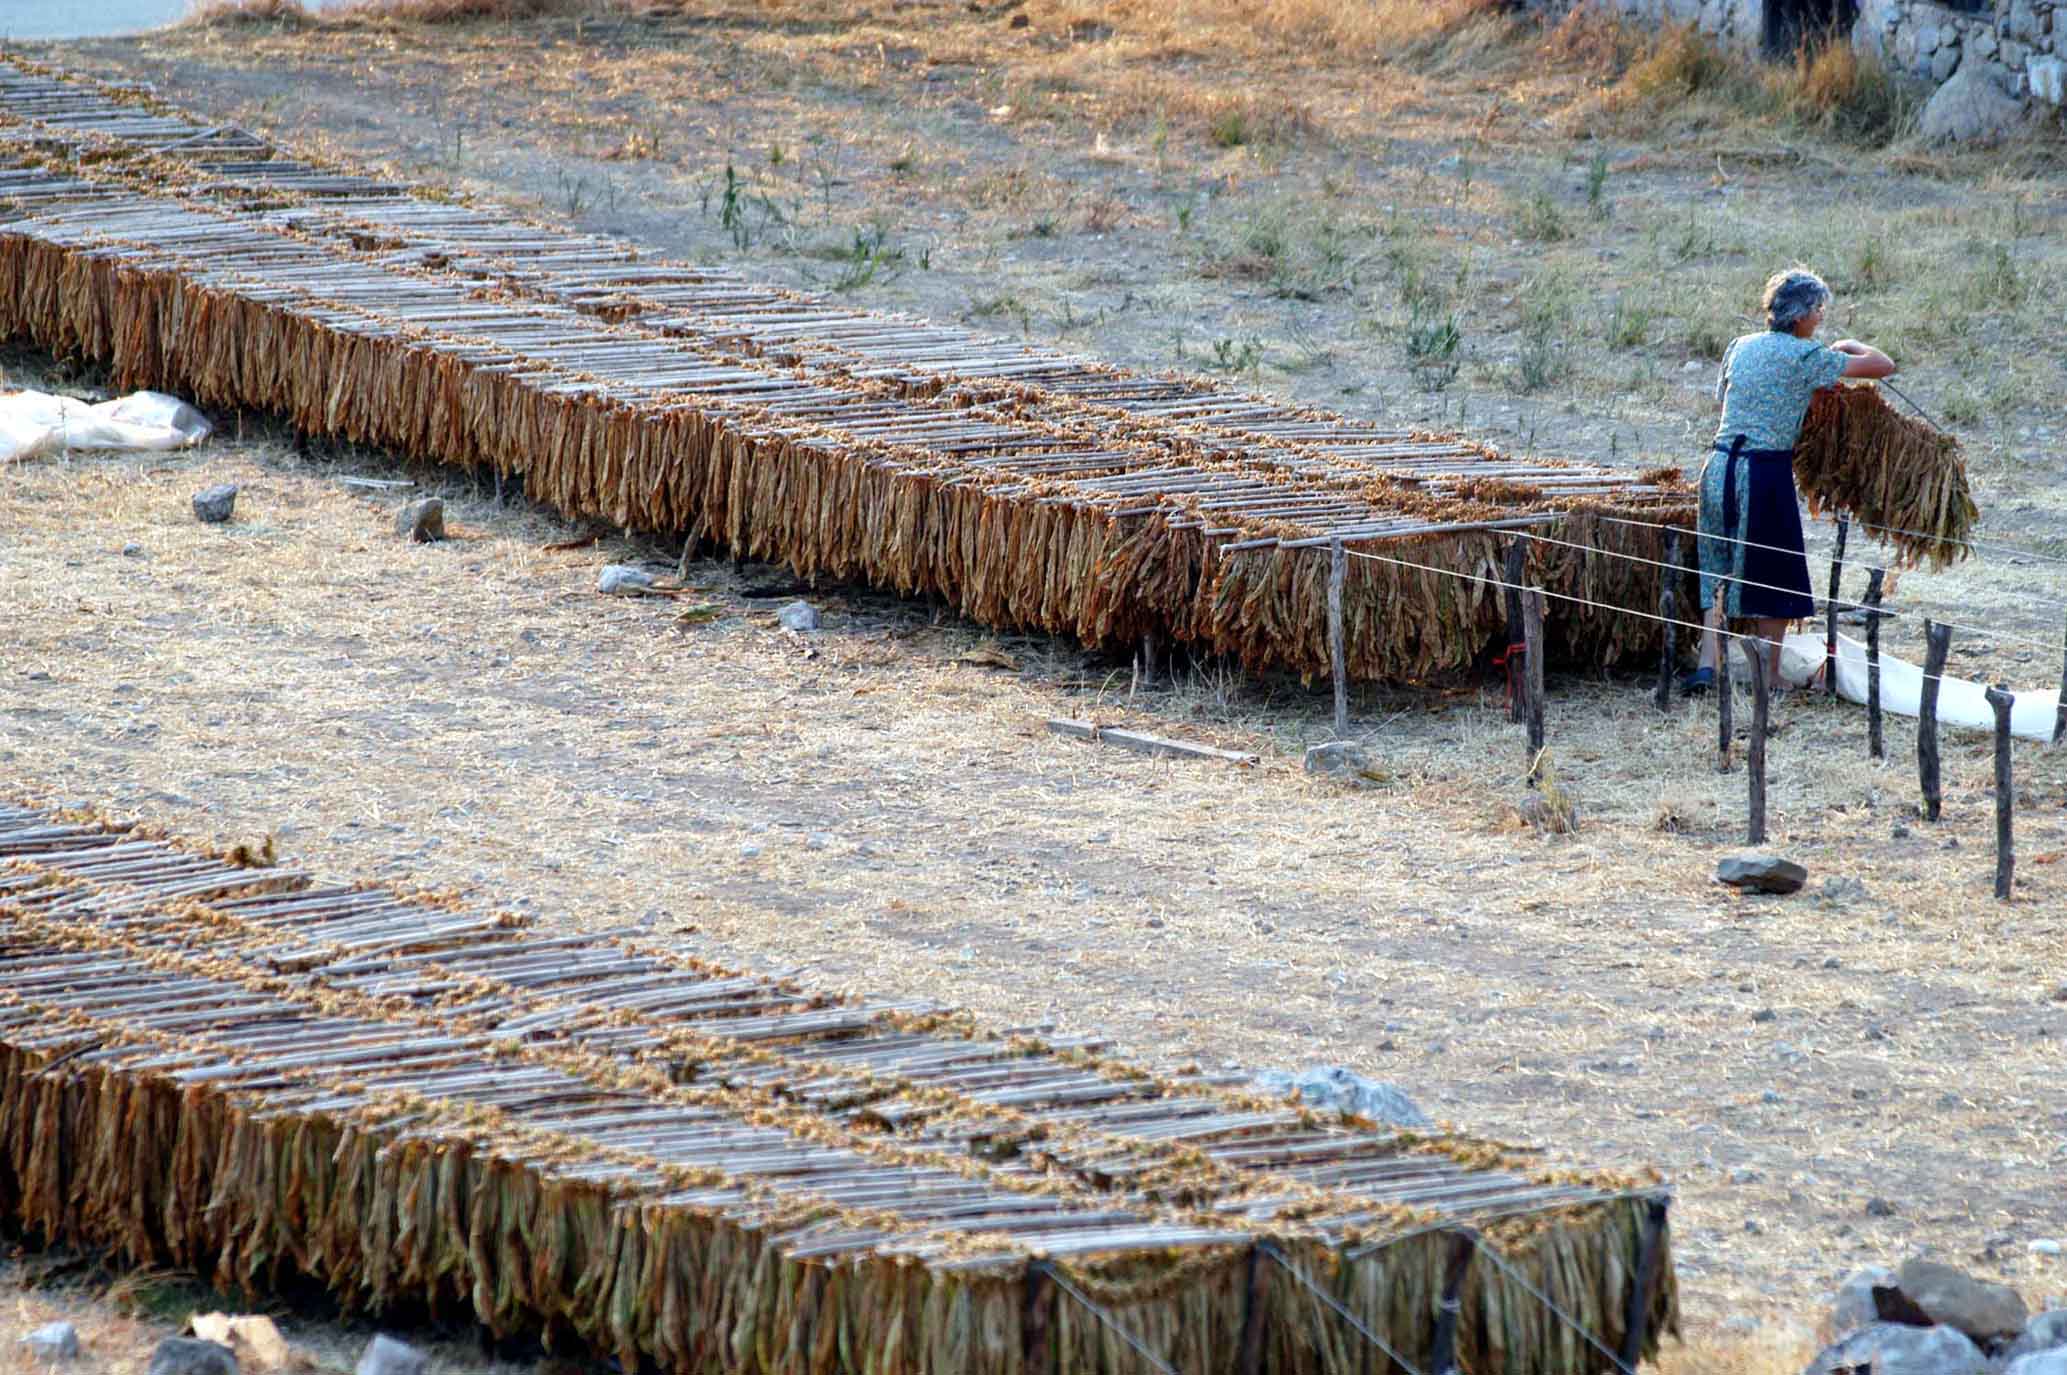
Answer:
(1793, 294)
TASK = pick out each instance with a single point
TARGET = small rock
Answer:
(1986, 1312)
(2046, 1332)
(212, 505)
(1852, 1307)
(1345, 763)
(1833, 963)
(1740, 1324)
(1765, 1014)
(818, 840)
(1744, 1174)
(749, 851)
(1761, 874)
(54, 1341)
(1900, 832)
(1888, 1348)
(189, 1356)
(422, 520)
(1879, 1207)
(386, 1356)
(1753, 1226)
(132, 551)
(2039, 1363)
(2044, 1246)
(1840, 890)
(798, 616)
(1343, 1090)
(1770, 1096)
(623, 580)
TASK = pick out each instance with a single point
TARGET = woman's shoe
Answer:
(1697, 682)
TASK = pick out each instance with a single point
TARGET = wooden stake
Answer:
(1650, 1255)
(2002, 699)
(2060, 711)
(1532, 639)
(1255, 1304)
(1338, 576)
(1518, 707)
(1442, 1357)
(1151, 657)
(1668, 655)
(1725, 725)
(1876, 745)
(1755, 756)
(1938, 641)
(1837, 563)
(1036, 1315)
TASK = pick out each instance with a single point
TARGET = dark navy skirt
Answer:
(1758, 568)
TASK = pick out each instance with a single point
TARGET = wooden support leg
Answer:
(1938, 642)
(1837, 565)
(1442, 1357)
(1532, 637)
(1755, 757)
(1255, 1306)
(1876, 745)
(1725, 705)
(1650, 1257)
(1338, 577)
(2002, 699)
(1668, 654)
(1517, 708)
(1036, 1315)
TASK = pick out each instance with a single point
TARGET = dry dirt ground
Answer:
(878, 804)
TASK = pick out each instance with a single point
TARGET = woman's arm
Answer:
(1864, 360)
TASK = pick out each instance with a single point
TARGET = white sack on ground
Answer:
(1960, 702)
(34, 423)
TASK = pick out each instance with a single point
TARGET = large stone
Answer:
(2046, 1332)
(1986, 1312)
(1333, 1087)
(2023, 20)
(1970, 108)
(386, 1356)
(798, 616)
(189, 1356)
(422, 520)
(1344, 762)
(1852, 1307)
(2048, 78)
(1761, 874)
(1887, 1348)
(1944, 63)
(212, 505)
(54, 1341)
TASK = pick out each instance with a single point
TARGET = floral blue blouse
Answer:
(1765, 385)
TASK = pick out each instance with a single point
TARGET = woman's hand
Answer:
(1866, 360)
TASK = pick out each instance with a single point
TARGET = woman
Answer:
(1755, 569)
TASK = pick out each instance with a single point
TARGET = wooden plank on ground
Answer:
(1143, 743)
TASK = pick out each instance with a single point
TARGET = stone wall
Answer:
(2013, 45)
(2009, 42)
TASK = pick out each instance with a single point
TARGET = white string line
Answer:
(1329, 1299)
(1624, 610)
(2047, 645)
(1976, 545)
(1501, 1263)
(2050, 603)
(1109, 1320)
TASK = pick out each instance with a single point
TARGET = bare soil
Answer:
(879, 803)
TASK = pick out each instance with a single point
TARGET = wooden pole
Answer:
(1668, 654)
(1755, 756)
(1442, 1357)
(1876, 745)
(1938, 642)
(1837, 563)
(1532, 639)
(1650, 1256)
(1038, 1313)
(1517, 707)
(2060, 711)
(2002, 699)
(1338, 576)
(1725, 725)
(1255, 1305)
